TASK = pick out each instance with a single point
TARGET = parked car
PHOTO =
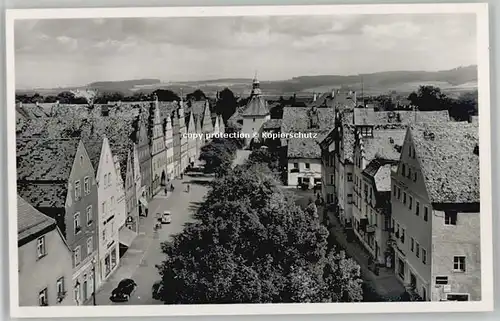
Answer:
(123, 291)
(166, 218)
(157, 289)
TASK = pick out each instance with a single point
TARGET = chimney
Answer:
(333, 93)
(315, 96)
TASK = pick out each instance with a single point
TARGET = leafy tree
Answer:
(166, 95)
(251, 244)
(226, 104)
(464, 106)
(196, 95)
(264, 156)
(429, 98)
(218, 156)
(386, 102)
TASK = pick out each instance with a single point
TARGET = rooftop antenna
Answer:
(362, 92)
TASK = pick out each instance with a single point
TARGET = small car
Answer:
(166, 218)
(157, 289)
(123, 291)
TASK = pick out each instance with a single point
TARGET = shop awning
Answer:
(126, 236)
(143, 202)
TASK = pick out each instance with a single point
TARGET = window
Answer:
(417, 208)
(89, 215)
(349, 177)
(104, 234)
(394, 191)
(417, 249)
(426, 214)
(90, 245)
(77, 223)
(104, 207)
(393, 223)
(403, 235)
(86, 185)
(412, 244)
(414, 176)
(81, 159)
(404, 197)
(295, 165)
(105, 180)
(409, 151)
(409, 172)
(60, 288)
(403, 169)
(332, 180)
(43, 299)
(109, 179)
(308, 165)
(459, 263)
(410, 205)
(441, 280)
(399, 193)
(77, 255)
(450, 218)
(349, 198)
(40, 247)
(78, 192)
(424, 256)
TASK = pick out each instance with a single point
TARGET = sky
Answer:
(72, 52)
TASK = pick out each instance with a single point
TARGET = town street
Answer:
(139, 262)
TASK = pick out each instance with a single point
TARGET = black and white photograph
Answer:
(249, 160)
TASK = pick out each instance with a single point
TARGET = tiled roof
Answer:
(256, 106)
(341, 99)
(296, 119)
(368, 116)
(348, 141)
(304, 147)
(43, 194)
(272, 124)
(30, 221)
(45, 159)
(448, 162)
(94, 148)
(197, 107)
(380, 172)
(385, 144)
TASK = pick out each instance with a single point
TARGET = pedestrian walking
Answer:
(188, 187)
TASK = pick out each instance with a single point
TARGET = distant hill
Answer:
(458, 79)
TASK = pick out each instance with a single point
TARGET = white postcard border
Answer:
(486, 304)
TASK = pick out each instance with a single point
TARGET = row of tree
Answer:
(252, 244)
(428, 98)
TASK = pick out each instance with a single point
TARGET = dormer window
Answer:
(367, 131)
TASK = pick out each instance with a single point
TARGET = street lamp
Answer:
(93, 280)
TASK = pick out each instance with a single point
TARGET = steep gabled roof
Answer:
(448, 161)
(31, 222)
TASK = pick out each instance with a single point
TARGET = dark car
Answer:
(123, 291)
(157, 290)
